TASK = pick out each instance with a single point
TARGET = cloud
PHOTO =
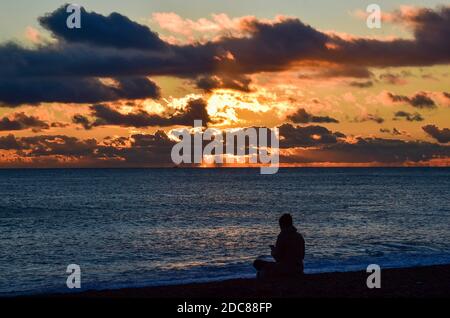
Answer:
(20, 121)
(369, 117)
(429, 26)
(393, 132)
(202, 29)
(312, 144)
(428, 47)
(114, 30)
(114, 47)
(372, 151)
(397, 132)
(309, 136)
(389, 150)
(408, 116)
(366, 84)
(394, 79)
(83, 121)
(106, 115)
(420, 100)
(346, 71)
(48, 145)
(301, 116)
(9, 142)
(36, 90)
(274, 46)
(238, 83)
(59, 125)
(441, 135)
(138, 150)
(59, 150)
(33, 35)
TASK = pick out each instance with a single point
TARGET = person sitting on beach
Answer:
(288, 253)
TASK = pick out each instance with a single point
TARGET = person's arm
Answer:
(276, 250)
(302, 248)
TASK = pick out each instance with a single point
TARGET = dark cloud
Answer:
(420, 100)
(238, 82)
(430, 29)
(394, 79)
(369, 117)
(9, 142)
(20, 121)
(408, 116)
(60, 145)
(276, 46)
(346, 71)
(80, 60)
(309, 136)
(106, 115)
(115, 46)
(372, 150)
(441, 135)
(141, 150)
(273, 47)
(301, 116)
(394, 131)
(59, 125)
(114, 30)
(136, 88)
(389, 150)
(361, 84)
(82, 120)
(135, 151)
(398, 98)
(35, 90)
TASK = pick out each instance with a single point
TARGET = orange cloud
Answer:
(185, 30)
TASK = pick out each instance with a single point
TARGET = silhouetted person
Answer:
(288, 253)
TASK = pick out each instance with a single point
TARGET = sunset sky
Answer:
(110, 94)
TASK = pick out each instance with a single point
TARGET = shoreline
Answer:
(417, 282)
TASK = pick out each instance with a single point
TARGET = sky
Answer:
(112, 93)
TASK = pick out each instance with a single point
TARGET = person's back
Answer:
(288, 252)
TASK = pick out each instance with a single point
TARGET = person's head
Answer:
(285, 221)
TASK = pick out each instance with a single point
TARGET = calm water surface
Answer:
(161, 226)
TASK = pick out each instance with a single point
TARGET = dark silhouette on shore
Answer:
(288, 252)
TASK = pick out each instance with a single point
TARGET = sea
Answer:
(150, 227)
